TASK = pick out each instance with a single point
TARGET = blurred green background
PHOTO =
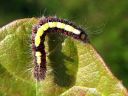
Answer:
(106, 22)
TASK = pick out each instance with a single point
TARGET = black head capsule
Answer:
(84, 37)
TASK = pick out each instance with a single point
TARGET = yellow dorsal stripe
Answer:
(40, 32)
(37, 40)
(38, 54)
(38, 57)
(69, 28)
(52, 24)
(60, 25)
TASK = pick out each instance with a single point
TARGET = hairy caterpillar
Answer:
(39, 31)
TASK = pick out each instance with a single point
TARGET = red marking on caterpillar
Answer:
(40, 69)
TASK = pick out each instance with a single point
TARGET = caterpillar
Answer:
(39, 31)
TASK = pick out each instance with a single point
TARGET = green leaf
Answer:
(73, 67)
